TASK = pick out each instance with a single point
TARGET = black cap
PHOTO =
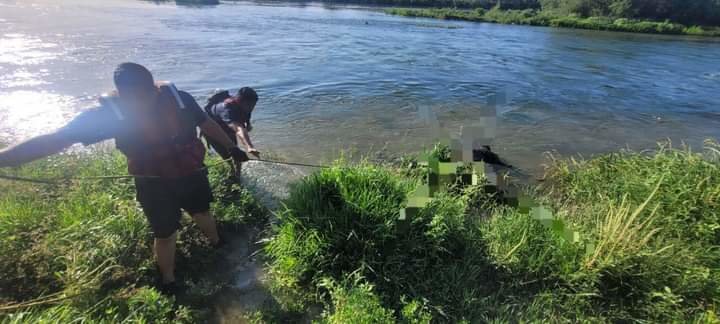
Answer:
(247, 93)
(132, 75)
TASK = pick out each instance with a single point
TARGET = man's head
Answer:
(135, 85)
(247, 98)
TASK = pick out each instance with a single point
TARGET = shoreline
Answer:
(532, 17)
(349, 213)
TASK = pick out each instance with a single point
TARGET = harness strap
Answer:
(174, 92)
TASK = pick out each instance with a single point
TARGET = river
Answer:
(339, 78)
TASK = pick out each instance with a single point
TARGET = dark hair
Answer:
(246, 93)
(132, 75)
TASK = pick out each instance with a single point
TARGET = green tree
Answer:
(622, 8)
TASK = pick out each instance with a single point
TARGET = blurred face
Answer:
(138, 98)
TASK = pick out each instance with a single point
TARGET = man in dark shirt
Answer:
(233, 115)
(154, 126)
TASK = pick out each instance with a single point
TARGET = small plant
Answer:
(355, 304)
(441, 152)
(620, 232)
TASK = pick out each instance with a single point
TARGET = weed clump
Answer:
(342, 222)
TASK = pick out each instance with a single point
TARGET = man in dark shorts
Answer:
(154, 126)
(233, 115)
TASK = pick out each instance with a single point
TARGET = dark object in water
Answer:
(485, 154)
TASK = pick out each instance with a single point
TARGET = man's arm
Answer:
(89, 127)
(212, 130)
(244, 136)
(34, 148)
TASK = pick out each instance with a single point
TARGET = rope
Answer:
(127, 176)
(294, 163)
(68, 179)
(13, 178)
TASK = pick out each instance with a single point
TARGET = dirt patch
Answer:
(246, 291)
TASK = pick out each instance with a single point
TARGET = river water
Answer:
(335, 79)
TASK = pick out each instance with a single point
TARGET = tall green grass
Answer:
(649, 251)
(650, 224)
(81, 251)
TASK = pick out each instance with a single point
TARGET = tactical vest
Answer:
(162, 142)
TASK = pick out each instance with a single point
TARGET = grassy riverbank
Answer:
(650, 249)
(82, 251)
(649, 222)
(548, 18)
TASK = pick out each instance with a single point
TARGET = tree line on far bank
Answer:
(688, 12)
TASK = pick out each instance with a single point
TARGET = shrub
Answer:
(343, 221)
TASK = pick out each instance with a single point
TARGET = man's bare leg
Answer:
(165, 257)
(237, 170)
(206, 223)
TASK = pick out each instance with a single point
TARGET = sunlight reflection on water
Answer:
(32, 112)
(22, 78)
(21, 50)
(28, 111)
